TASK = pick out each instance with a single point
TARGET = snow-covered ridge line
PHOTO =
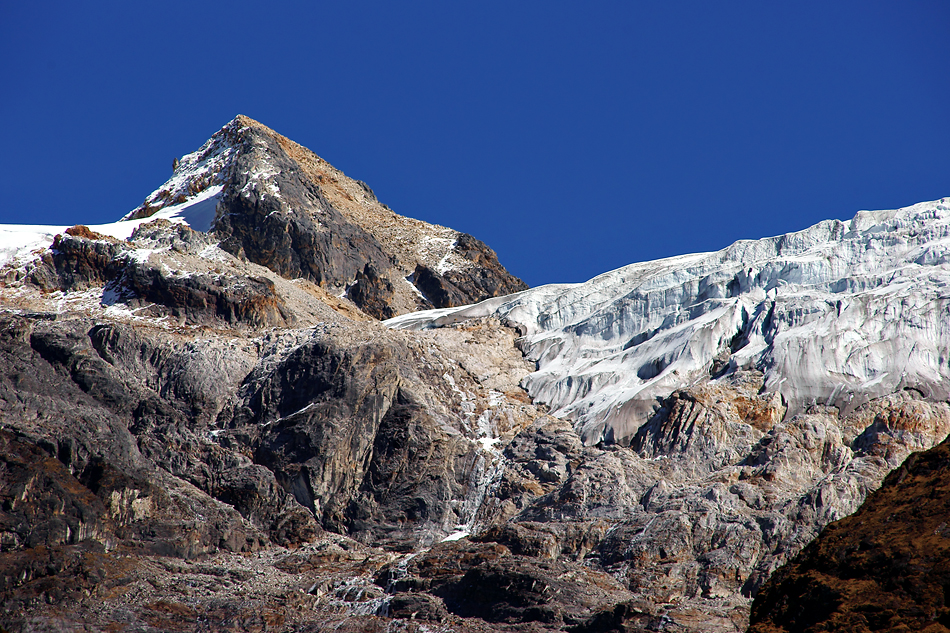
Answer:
(195, 175)
(18, 241)
(836, 314)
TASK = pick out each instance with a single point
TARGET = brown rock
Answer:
(887, 567)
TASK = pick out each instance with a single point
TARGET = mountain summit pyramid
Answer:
(280, 205)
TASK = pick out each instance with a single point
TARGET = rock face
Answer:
(207, 427)
(883, 568)
(276, 203)
(143, 424)
(80, 260)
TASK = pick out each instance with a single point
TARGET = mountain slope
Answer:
(836, 314)
(199, 432)
(282, 206)
(886, 567)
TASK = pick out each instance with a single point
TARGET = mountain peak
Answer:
(169, 393)
(280, 205)
(243, 119)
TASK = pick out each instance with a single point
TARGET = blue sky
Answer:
(573, 138)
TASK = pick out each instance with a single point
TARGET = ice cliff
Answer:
(836, 314)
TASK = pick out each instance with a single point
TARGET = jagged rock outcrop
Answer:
(401, 439)
(279, 205)
(884, 568)
(80, 260)
(489, 582)
(271, 213)
(373, 294)
(452, 287)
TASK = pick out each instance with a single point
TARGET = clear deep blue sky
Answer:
(572, 137)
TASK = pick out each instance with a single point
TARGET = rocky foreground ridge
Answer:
(205, 426)
(884, 568)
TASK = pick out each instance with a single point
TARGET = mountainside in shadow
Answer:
(204, 425)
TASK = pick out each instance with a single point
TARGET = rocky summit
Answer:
(262, 400)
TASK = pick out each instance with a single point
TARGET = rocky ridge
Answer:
(191, 440)
(280, 205)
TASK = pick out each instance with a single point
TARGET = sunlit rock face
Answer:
(266, 198)
(836, 314)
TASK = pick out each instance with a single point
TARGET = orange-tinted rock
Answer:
(885, 568)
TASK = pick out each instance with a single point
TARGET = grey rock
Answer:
(372, 293)
(296, 234)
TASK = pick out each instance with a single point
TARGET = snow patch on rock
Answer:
(19, 242)
(198, 178)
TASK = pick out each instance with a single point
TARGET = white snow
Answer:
(415, 290)
(198, 212)
(18, 241)
(197, 178)
(835, 314)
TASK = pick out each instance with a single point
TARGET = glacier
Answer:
(836, 314)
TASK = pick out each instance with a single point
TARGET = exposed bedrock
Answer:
(885, 568)
(372, 293)
(343, 431)
(288, 226)
(304, 422)
(104, 394)
(119, 272)
(441, 292)
(714, 493)
(458, 287)
(486, 279)
(489, 582)
(124, 441)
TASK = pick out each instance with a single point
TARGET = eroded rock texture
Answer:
(210, 430)
(695, 518)
(885, 568)
(127, 447)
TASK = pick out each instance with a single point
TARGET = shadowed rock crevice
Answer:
(372, 293)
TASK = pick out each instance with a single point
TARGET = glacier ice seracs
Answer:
(835, 314)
